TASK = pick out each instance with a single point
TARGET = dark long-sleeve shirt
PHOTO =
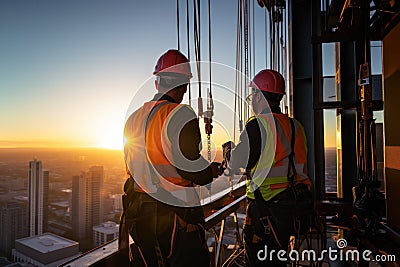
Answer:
(251, 144)
(184, 134)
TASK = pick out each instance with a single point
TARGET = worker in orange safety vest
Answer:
(162, 154)
(278, 187)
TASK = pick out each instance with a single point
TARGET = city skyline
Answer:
(52, 170)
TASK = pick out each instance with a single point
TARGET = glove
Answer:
(226, 153)
(216, 169)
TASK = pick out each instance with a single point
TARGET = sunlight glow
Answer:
(111, 137)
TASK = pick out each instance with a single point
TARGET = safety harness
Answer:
(262, 205)
(188, 218)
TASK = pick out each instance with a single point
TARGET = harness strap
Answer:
(154, 178)
(123, 235)
(291, 174)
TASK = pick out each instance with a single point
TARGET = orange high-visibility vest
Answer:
(148, 151)
(271, 171)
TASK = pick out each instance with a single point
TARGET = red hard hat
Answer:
(173, 61)
(269, 81)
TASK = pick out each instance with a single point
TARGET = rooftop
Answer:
(47, 242)
(107, 227)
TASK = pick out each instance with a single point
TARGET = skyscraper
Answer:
(38, 190)
(13, 225)
(87, 208)
(46, 175)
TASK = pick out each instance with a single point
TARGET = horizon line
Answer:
(77, 147)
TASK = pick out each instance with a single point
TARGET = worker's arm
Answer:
(247, 152)
(184, 133)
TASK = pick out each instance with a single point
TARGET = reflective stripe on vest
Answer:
(151, 167)
(270, 172)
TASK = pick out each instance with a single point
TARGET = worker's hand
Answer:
(216, 169)
(226, 150)
(226, 154)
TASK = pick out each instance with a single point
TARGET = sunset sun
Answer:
(111, 137)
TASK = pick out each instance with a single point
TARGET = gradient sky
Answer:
(69, 69)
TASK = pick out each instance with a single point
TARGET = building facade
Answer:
(38, 193)
(13, 222)
(46, 250)
(87, 204)
(104, 233)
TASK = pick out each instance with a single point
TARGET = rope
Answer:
(239, 66)
(209, 38)
(266, 37)
(284, 64)
(177, 24)
(209, 102)
(188, 46)
(271, 48)
(196, 24)
(246, 49)
(236, 78)
(278, 58)
(254, 44)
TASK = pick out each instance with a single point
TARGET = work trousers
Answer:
(286, 218)
(161, 240)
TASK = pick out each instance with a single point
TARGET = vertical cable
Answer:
(278, 48)
(237, 100)
(266, 37)
(199, 44)
(285, 62)
(209, 97)
(239, 74)
(177, 24)
(209, 38)
(241, 65)
(271, 43)
(254, 44)
(246, 49)
(196, 22)
(188, 46)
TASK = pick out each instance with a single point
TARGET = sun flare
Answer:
(112, 137)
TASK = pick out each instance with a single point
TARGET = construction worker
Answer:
(278, 188)
(162, 153)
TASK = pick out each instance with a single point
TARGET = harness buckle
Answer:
(267, 228)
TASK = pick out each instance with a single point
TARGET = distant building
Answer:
(117, 202)
(87, 206)
(13, 225)
(104, 233)
(38, 192)
(46, 250)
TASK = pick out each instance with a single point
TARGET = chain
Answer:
(209, 147)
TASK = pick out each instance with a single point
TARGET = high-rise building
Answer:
(87, 206)
(46, 175)
(38, 190)
(13, 225)
(104, 233)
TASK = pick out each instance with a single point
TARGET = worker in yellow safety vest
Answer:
(278, 188)
(162, 155)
